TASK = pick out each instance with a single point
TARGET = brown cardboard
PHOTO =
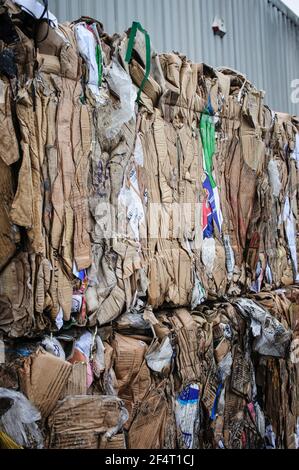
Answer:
(132, 374)
(148, 430)
(78, 422)
(115, 442)
(77, 381)
(81, 165)
(42, 379)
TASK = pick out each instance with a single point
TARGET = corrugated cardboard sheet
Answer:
(148, 223)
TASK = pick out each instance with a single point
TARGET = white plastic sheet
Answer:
(19, 421)
(35, 9)
(160, 358)
(121, 84)
(87, 47)
(271, 337)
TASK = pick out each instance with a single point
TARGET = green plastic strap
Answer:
(99, 59)
(207, 132)
(135, 27)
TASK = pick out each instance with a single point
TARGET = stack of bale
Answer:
(149, 250)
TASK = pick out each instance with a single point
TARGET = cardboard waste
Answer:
(148, 246)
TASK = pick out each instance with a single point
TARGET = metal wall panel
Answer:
(262, 39)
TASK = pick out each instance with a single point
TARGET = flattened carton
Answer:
(79, 422)
(42, 379)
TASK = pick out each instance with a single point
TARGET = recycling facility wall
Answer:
(262, 37)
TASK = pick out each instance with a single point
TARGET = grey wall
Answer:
(262, 39)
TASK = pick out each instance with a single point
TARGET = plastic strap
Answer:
(137, 27)
(214, 409)
(207, 132)
(7, 442)
(99, 62)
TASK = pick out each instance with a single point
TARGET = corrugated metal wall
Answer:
(262, 37)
